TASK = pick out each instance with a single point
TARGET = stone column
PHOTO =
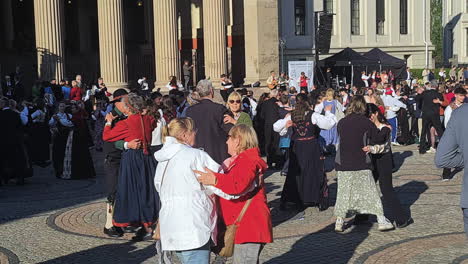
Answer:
(49, 26)
(8, 24)
(214, 38)
(261, 39)
(112, 54)
(166, 41)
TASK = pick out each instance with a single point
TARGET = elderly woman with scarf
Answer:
(136, 201)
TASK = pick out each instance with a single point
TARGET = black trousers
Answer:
(414, 127)
(271, 144)
(382, 172)
(111, 169)
(427, 123)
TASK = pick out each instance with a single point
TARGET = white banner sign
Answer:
(294, 71)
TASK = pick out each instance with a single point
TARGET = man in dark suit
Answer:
(12, 159)
(270, 114)
(209, 121)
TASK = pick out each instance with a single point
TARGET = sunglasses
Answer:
(235, 101)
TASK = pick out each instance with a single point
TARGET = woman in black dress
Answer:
(62, 126)
(383, 164)
(305, 181)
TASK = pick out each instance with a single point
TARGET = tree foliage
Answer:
(437, 30)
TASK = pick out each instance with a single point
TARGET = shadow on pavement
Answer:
(108, 254)
(399, 159)
(44, 193)
(408, 194)
(325, 246)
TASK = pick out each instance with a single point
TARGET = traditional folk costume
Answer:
(40, 137)
(136, 202)
(62, 129)
(78, 163)
(306, 181)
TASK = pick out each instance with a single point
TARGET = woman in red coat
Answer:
(76, 93)
(243, 176)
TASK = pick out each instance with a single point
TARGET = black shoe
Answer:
(130, 229)
(408, 222)
(113, 232)
(142, 235)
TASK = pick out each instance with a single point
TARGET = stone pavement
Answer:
(57, 221)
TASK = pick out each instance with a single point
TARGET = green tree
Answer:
(437, 30)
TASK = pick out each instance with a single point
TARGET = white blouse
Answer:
(157, 132)
(325, 122)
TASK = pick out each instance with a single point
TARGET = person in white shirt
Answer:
(365, 78)
(392, 105)
(188, 214)
(460, 96)
(408, 76)
(144, 86)
(442, 75)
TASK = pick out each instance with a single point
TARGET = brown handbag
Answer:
(225, 247)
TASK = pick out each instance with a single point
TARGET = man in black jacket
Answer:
(12, 159)
(209, 121)
(270, 114)
(431, 100)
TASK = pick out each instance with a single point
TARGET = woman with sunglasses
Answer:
(235, 115)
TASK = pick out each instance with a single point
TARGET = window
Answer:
(355, 16)
(300, 17)
(403, 17)
(328, 6)
(380, 19)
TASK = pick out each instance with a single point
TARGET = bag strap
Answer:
(244, 209)
(247, 204)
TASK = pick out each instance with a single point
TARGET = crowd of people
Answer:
(182, 168)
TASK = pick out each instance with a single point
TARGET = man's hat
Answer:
(118, 94)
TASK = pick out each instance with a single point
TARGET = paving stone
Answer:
(57, 221)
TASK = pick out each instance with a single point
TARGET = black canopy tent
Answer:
(347, 62)
(385, 61)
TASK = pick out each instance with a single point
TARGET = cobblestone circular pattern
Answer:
(88, 220)
(416, 250)
(8, 257)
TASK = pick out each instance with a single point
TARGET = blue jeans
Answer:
(465, 219)
(199, 255)
(394, 124)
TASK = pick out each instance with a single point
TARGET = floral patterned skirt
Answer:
(357, 193)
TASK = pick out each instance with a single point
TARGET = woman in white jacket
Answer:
(187, 218)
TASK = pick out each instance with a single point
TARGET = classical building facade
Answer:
(399, 27)
(455, 23)
(122, 40)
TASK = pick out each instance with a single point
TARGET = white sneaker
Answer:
(384, 224)
(339, 224)
(431, 150)
(395, 143)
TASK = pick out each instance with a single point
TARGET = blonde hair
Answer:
(330, 94)
(177, 127)
(246, 135)
(233, 96)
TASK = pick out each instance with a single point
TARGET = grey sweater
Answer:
(453, 147)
